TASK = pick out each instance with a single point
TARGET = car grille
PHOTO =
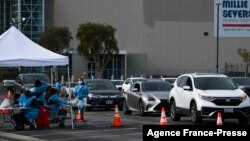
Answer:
(227, 101)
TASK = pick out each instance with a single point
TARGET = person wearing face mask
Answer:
(81, 91)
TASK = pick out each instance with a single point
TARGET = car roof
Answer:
(151, 80)
(196, 75)
(116, 80)
(136, 78)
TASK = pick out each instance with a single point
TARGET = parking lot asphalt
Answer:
(99, 128)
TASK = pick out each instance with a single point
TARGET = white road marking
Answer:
(19, 137)
(77, 132)
(97, 136)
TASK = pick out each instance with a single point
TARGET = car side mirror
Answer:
(187, 88)
(120, 89)
(134, 89)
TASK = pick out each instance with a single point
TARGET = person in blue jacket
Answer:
(81, 91)
(27, 116)
(55, 102)
(39, 91)
(58, 87)
(22, 99)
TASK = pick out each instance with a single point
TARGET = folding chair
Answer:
(7, 117)
(54, 117)
(79, 116)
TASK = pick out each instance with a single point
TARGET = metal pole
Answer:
(218, 23)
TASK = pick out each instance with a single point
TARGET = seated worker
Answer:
(58, 87)
(39, 91)
(55, 102)
(22, 98)
(26, 116)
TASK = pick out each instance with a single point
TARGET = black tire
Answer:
(87, 109)
(141, 109)
(243, 120)
(120, 108)
(126, 110)
(194, 114)
(173, 114)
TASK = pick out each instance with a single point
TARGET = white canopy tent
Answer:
(17, 50)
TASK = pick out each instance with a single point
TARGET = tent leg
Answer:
(71, 112)
(51, 75)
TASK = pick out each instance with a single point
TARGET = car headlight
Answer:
(243, 97)
(93, 96)
(151, 98)
(118, 96)
(207, 98)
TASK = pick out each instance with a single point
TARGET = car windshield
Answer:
(117, 82)
(32, 78)
(242, 81)
(71, 84)
(214, 83)
(101, 85)
(156, 86)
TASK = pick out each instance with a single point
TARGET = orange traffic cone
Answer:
(117, 119)
(9, 95)
(79, 116)
(219, 119)
(163, 117)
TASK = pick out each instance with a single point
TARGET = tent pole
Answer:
(51, 76)
(71, 112)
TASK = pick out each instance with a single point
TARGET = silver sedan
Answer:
(147, 96)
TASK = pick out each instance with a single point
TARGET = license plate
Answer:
(228, 110)
(109, 102)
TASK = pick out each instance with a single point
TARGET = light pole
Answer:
(91, 67)
(17, 23)
(217, 44)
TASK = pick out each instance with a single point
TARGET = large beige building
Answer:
(156, 37)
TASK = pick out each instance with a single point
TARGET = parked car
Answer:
(171, 80)
(147, 96)
(118, 83)
(67, 88)
(129, 82)
(243, 83)
(204, 95)
(27, 80)
(103, 94)
(8, 83)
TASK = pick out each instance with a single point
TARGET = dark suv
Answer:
(26, 80)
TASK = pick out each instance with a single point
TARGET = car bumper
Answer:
(226, 112)
(104, 102)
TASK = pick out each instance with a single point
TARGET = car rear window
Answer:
(32, 78)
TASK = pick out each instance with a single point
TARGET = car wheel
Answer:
(126, 110)
(195, 115)
(120, 107)
(141, 109)
(173, 114)
(243, 120)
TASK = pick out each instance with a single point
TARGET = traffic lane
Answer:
(99, 127)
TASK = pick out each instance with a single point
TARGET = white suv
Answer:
(204, 95)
